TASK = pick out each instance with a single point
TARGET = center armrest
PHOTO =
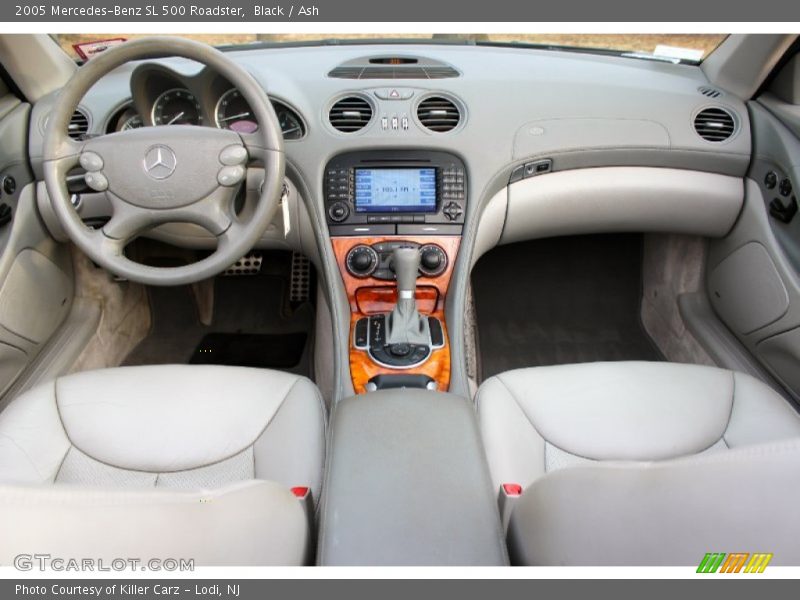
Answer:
(407, 484)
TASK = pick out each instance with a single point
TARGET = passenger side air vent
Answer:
(714, 124)
(350, 114)
(709, 92)
(439, 114)
(78, 125)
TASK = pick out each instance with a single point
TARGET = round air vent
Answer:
(714, 124)
(78, 125)
(439, 114)
(350, 114)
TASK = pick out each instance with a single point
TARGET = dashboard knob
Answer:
(362, 261)
(433, 260)
(338, 212)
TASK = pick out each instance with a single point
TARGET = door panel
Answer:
(36, 283)
(753, 274)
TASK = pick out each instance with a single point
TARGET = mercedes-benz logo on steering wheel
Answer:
(160, 161)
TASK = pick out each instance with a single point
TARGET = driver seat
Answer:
(175, 460)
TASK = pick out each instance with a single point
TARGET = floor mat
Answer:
(276, 351)
(561, 300)
(253, 324)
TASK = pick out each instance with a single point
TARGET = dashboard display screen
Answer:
(395, 190)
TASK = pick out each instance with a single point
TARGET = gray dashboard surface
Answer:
(579, 109)
(506, 93)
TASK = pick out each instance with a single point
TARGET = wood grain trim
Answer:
(376, 300)
(365, 300)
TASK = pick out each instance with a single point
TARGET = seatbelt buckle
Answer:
(506, 499)
(303, 495)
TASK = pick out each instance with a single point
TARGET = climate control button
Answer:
(361, 261)
(433, 260)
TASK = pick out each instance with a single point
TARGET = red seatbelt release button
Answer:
(301, 491)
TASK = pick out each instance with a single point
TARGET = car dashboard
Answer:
(508, 144)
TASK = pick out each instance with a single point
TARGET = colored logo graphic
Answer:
(737, 562)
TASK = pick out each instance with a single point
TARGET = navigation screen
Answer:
(396, 190)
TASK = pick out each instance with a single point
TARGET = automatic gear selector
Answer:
(402, 338)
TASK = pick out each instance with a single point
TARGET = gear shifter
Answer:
(405, 326)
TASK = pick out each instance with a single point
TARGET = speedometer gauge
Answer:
(177, 107)
(233, 112)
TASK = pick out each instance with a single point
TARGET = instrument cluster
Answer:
(161, 96)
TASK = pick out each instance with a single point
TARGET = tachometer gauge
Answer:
(132, 122)
(291, 126)
(177, 107)
(233, 112)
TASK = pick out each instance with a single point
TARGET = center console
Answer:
(408, 484)
(395, 220)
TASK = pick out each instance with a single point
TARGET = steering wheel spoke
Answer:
(214, 213)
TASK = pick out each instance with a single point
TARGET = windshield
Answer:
(691, 48)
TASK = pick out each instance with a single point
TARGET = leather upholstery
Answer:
(666, 513)
(540, 419)
(666, 462)
(245, 523)
(159, 421)
(407, 484)
(201, 429)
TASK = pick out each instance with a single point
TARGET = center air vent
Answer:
(350, 114)
(439, 114)
(78, 125)
(714, 124)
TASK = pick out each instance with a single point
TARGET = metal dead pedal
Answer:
(249, 264)
(300, 283)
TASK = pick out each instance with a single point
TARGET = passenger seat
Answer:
(637, 463)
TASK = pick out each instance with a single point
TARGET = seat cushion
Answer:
(665, 513)
(171, 426)
(246, 523)
(541, 419)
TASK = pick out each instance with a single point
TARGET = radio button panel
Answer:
(340, 191)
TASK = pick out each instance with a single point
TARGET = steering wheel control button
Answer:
(91, 161)
(233, 155)
(96, 181)
(230, 176)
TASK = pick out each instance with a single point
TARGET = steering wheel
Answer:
(172, 173)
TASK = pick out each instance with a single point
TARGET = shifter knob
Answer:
(405, 261)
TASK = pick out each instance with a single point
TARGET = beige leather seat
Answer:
(188, 461)
(642, 463)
